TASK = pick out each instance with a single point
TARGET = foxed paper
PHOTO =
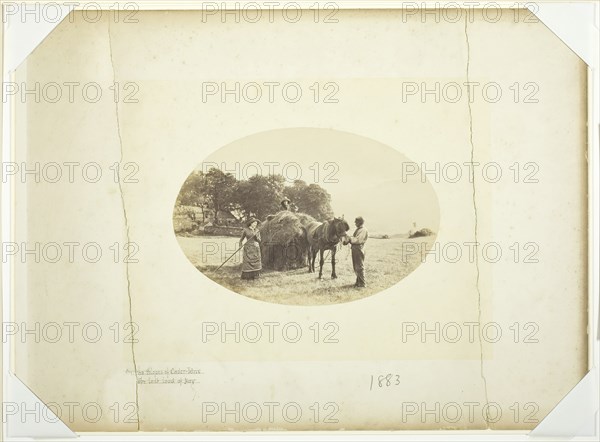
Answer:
(469, 130)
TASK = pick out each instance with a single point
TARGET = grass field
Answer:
(385, 265)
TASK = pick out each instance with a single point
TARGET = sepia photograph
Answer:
(306, 216)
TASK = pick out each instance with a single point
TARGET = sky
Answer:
(363, 176)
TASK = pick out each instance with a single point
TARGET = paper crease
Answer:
(137, 408)
(472, 177)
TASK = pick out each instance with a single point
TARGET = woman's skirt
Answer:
(251, 265)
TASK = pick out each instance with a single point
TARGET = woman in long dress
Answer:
(252, 264)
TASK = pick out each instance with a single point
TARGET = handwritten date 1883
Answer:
(384, 380)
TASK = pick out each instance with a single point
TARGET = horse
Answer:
(325, 236)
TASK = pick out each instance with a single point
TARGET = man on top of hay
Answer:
(286, 204)
(357, 242)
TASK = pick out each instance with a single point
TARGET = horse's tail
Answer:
(305, 236)
(307, 244)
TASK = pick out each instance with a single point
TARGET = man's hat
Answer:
(360, 220)
(285, 200)
(250, 221)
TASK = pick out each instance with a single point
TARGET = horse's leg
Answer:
(333, 275)
(308, 254)
(321, 261)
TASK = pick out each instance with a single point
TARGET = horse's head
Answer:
(339, 227)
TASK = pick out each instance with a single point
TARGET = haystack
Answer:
(284, 244)
(421, 233)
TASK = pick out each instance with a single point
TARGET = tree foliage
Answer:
(311, 199)
(219, 190)
(192, 192)
(257, 196)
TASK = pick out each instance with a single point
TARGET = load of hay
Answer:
(284, 244)
(421, 233)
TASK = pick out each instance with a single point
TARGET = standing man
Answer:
(357, 242)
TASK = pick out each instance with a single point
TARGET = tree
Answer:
(260, 195)
(193, 193)
(311, 199)
(220, 190)
(317, 202)
(295, 193)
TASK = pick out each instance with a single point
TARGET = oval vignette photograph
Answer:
(306, 216)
